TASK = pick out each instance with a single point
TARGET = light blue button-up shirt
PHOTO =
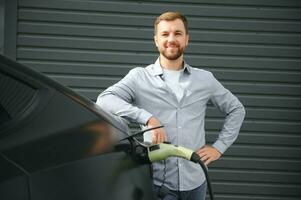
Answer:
(143, 93)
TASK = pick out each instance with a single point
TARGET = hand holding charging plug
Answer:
(208, 154)
(158, 135)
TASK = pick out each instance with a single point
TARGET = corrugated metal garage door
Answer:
(253, 47)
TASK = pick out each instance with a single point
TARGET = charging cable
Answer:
(162, 151)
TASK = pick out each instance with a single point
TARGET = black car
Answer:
(55, 144)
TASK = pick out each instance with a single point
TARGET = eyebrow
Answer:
(177, 31)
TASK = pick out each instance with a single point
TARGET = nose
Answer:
(171, 38)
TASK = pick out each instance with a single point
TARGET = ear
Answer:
(156, 40)
(187, 39)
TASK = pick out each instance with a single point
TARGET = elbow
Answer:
(103, 101)
(100, 100)
(242, 111)
(239, 111)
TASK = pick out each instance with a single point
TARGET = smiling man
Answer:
(174, 94)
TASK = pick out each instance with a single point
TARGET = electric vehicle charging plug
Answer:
(148, 153)
(162, 151)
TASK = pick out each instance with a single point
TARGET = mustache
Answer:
(171, 44)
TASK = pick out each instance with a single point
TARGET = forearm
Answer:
(230, 130)
(234, 112)
(116, 105)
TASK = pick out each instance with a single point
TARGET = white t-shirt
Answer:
(172, 78)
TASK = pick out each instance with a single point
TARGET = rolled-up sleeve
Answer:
(234, 112)
(119, 99)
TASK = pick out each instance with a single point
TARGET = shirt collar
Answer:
(157, 69)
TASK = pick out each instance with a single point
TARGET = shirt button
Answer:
(180, 127)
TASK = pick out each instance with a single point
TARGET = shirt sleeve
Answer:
(119, 99)
(234, 112)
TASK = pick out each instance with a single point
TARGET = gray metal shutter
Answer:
(253, 47)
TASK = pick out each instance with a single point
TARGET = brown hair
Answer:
(170, 16)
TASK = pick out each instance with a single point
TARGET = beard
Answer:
(174, 54)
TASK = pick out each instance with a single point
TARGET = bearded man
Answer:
(172, 93)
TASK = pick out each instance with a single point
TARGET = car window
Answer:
(15, 98)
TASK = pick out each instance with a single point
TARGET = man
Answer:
(174, 94)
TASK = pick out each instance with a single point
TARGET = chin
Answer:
(174, 56)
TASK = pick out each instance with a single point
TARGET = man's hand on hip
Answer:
(158, 135)
(208, 154)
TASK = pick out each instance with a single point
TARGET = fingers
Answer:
(204, 149)
(205, 157)
(208, 154)
(208, 161)
(154, 140)
(162, 138)
(159, 136)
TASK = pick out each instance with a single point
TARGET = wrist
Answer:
(148, 121)
(152, 122)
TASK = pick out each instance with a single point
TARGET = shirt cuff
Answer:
(144, 117)
(220, 146)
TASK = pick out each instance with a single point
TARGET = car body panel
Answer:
(56, 144)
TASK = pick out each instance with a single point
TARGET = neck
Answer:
(171, 64)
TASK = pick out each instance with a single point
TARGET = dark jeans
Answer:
(198, 193)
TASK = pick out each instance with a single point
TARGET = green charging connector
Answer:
(162, 151)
